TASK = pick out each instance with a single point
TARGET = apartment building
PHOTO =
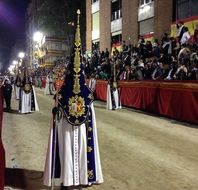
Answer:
(109, 22)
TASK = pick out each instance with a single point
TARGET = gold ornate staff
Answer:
(76, 88)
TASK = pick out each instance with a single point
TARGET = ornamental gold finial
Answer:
(78, 18)
(78, 11)
(77, 35)
(76, 88)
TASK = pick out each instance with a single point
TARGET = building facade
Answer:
(56, 21)
(109, 22)
(51, 50)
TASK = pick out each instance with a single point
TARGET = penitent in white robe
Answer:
(72, 142)
(17, 92)
(116, 97)
(49, 87)
(25, 103)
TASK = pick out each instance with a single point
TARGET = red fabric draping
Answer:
(101, 90)
(141, 98)
(43, 83)
(2, 152)
(178, 100)
(179, 104)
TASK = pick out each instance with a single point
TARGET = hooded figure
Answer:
(113, 96)
(7, 93)
(73, 153)
(27, 102)
(49, 87)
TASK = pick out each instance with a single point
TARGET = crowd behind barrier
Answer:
(165, 59)
(168, 60)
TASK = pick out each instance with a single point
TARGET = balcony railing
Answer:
(116, 15)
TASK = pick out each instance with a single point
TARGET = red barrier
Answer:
(101, 90)
(2, 152)
(43, 81)
(178, 100)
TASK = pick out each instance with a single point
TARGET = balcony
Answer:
(116, 25)
(95, 34)
(116, 15)
(146, 11)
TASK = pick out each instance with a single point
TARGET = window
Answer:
(145, 2)
(116, 39)
(58, 46)
(184, 9)
(194, 9)
(95, 46)
(116, 9)
(146, 26)
(95, 21)
(95, 25)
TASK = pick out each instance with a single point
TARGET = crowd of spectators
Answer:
(56, 72)
(168, 59)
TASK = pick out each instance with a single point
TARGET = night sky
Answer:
(12, 26)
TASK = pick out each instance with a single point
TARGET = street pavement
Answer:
(139, 151)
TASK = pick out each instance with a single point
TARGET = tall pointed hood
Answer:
(74, 96)
(26, 83)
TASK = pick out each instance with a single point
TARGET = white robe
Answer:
(73, 154)
(49, 88)
(92, 84)
(17, 92)
(26, 102)
(109, 105)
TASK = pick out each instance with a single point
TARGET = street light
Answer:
(21, 55)
(38, 39)
(14, 62)
(11, 68)
(38, 36)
